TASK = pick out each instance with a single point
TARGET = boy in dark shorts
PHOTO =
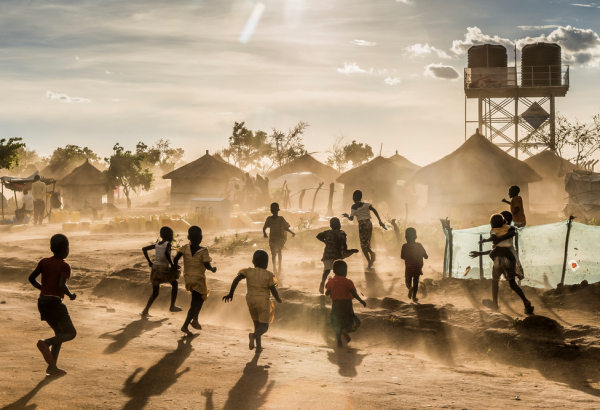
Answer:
(260, 285)
(342, 291)
(335, 248)
(55, 273)
(163, 269)
(413, 254)
(278, 228)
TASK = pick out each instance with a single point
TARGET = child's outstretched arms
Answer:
(275, 294)
(290, 231)
(378, 218)
(355, 294)
(145, 249)
(236, 281)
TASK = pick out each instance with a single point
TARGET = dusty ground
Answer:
(445, 352)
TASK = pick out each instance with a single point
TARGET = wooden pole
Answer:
(480, 257)
(445, 248)
(330, 202)
(2, 201)
(315, 197)
(301, 198)
(450, 249)
(564, 269)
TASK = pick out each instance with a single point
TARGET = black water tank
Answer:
(541, 65)
(487, 55)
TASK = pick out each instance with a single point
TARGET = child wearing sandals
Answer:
(196, 261)
(163, 270)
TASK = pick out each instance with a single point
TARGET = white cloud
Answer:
(392, 81)
(404, 1)
(352, 68)
(76, 57)
(441, 71)
(475, 37)
(115, 100)
(420, 50)
(579, 46)
(65, 98)
(363, 43)
(530, 28)
(587, 5)
(383, 71)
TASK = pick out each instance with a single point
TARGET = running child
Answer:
(342, 291)
(335, 248)
(518, 267)
(362, 212)
(260, 285)
(196, 261)
(501, 248)
(413, 254)
(163, 270)
(516, 206)
(55, 273)
(278, 228)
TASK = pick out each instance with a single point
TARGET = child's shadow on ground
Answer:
(347, 360)
(375, 287)
(246, 394)
(128, 333)
(157, 378)
(21, 404)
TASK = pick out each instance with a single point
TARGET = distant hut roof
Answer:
(219, 157)
(85, 174)
(56, 170)
(377, 168)
(306, 163)
(477, 161)
(207, 166)
(403, 162)
(549, 165)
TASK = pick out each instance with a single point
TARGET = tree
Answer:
(72, 155)
(287, 147)
(160, 155)
(337, 156)
(29, 162)
(9, 152)
(358, 153)
(246, 147)
(125, 169)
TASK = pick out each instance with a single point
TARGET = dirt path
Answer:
(118, 361)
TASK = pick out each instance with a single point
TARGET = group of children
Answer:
(261, 283)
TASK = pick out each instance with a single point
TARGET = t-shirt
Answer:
(258, 281)
(507, 243)
(194, 270)
(277, 228)
(52, 270)
(519, 217)
(340, 287)
(38, 190)
(160, 254)
(413, 254)
(361, 213)
(334, 244)
(28, 201)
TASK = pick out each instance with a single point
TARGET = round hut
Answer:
(470, 183)
(549, 194)
(306, 163)
(206, 177)
(83, 187)
(403, 162)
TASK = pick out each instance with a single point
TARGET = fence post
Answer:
(480, 257)
(445, 229)
(564, 269)
(450, 249)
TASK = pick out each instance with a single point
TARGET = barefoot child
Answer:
(342, 290)
(55, 273)
(260, 285)
(196, 261)
(335, 248)
(278, 227)
(413, 254)
(362, 212)
(163, 270)
(516, 206)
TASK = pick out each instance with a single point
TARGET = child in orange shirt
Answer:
(516, 206)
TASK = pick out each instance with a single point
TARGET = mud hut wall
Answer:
(385, 190)
(183, 190)
(76, 196)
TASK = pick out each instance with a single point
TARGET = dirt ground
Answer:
(445, 352)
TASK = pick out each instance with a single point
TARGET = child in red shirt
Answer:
(55, 273)
(342, 290)
(413, 254)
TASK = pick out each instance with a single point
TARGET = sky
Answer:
(385, 72)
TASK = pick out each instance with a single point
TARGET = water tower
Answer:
(515, 100)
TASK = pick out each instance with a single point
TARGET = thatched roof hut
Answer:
(377, 179)
(83, 187)
(549, 194)
(475, 176)
(57, 170)
(206, 177)
(403, 162)
(306, 163)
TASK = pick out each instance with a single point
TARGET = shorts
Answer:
(262, 309)
(163, 274)
(277, 244)
(53, 311)
(365, 231)
(503, 267)
(328, 264)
